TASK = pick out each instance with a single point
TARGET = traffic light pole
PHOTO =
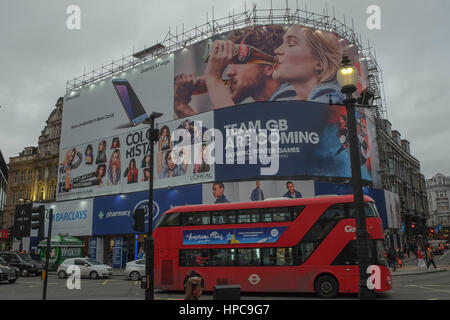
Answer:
(149, 242)
(47, 253)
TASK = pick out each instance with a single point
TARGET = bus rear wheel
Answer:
(326, 287)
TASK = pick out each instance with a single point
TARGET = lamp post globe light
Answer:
(347, 77)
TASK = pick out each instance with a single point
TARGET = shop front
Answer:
(113, 239)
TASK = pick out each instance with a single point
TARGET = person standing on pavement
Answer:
(420, 260)
(430, 259)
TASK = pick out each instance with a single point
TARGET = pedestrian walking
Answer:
(399, 257)
(430, 259)
(420, 259)
(193, 286)
(391, 256)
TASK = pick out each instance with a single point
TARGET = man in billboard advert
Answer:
(309, 59)
(250, 79)
(257, 193)
(218, 190)
(292, 193)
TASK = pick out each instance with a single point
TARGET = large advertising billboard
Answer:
(311, 141)
(261, 63)
(260, 77)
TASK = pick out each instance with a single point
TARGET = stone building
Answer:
(33, 174)
(438, 191)
(400, 173)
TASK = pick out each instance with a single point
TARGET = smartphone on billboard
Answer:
(130, 102)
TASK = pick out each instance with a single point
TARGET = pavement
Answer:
(410, 267)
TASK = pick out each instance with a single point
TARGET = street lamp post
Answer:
(149, 245)
(347, 77)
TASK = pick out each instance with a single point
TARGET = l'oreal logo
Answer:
(349, 229)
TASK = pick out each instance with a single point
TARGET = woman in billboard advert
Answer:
(131, 173)
(114, 168)
(146, 175)
(309, 59)
(164, 139)
(101, 154)
(68, 165)
(168, 168)
(145, 161)
(201, 165)
(100, 173)
(89, 154)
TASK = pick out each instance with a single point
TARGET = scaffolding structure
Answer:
(214, 27)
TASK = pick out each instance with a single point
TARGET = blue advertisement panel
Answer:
(312, 141)
(93, 247)
(117, 253)
(114, 214)
(227, 236)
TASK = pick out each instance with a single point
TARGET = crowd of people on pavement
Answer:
(423, 253)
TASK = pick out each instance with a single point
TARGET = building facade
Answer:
(438, 191)
(3, 187)
(33, 174)
(400, 173)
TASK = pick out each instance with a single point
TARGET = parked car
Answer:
(6, 264)
(134, 270)
(23, 262)
(88, 268)
(7, 273)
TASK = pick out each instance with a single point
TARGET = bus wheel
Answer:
(326, 287)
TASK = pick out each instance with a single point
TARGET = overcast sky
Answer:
(38, 54)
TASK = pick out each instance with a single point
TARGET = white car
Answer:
(88, 268)
(134, 270)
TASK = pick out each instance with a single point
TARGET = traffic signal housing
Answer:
(139, 220)
(38, 220)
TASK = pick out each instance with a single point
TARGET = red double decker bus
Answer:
(295, 245)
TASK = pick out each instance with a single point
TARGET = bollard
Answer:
(227, 292)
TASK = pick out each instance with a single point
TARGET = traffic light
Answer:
(38, 220)
(139, 220)
(11, 233)
(22, 220)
